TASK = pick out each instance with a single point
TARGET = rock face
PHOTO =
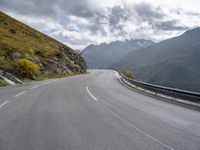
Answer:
(67, 61)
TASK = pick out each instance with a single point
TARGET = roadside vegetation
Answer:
(128, 73)
(3, 83)
(26, 68)
(54, 75)
(51, 76)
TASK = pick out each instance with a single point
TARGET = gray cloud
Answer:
(31, 8)
(110, 23)
(117, 14)
(81, 11)
(169, 25)
(147, 12)
(190, 13)
(49, 8)
(155, 18)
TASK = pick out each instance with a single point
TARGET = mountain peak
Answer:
(105, 54)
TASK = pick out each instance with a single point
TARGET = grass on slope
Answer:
(16, 35)
(55, 75)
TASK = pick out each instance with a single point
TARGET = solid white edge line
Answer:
(117, 74)
(4, 103)
(91, 94)
(128, 123)
(20, 93)
(139, 130)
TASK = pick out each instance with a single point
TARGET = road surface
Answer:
(92, 112)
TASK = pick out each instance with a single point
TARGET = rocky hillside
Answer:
(103, 55)
(28, 53)
(173, 62)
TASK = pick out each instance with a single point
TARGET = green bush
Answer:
(6, 51)
(12, 31)
(1, 20)
(41, 53)
(4, 64)
(26, 68)
(128, 73)
(59, 55)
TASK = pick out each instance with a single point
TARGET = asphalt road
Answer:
(92, 112)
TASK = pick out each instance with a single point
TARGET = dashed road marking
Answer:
(20, 93)
(34, 87)
(93, 77)
(4, 103)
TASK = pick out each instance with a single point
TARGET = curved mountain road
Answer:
(92, 112)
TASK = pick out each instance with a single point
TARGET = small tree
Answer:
(26, 68)
(128, 73)
(41, 53)
(12, 30)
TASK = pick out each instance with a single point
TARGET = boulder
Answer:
(16, 55)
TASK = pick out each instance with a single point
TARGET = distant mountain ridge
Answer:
(103, 55)
(174, 62)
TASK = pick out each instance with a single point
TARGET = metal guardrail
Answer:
(172, 92)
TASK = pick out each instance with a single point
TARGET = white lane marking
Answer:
(34, 87)
(91, 94)
(4, 103)
(20, 93)
(142, 132)
(93, 77)
(45, 83)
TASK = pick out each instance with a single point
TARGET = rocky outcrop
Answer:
(67, 61)
(63, 60)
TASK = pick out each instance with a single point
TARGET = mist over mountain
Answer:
(174, 62)
(103, 55)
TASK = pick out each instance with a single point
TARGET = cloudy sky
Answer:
(79, 23)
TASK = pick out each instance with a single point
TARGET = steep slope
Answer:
(22, 47)
(103, 55)
(173, 62)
